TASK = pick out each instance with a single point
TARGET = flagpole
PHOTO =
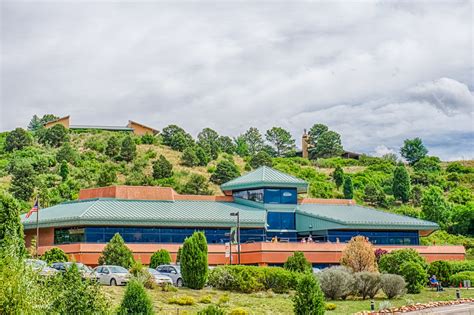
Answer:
(37, 228)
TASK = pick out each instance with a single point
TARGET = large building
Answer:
(269, 208)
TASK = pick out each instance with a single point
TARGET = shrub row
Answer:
(252, 279)
(459, 277)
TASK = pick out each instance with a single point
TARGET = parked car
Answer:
(160, 279)
(112, 275)
(86, 271)
(172, 271)
(41, 266)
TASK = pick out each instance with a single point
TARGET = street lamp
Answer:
(237, 214)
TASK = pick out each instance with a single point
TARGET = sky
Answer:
(377, 72)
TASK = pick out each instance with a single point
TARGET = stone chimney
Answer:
(304, 145)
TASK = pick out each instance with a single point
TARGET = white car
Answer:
(159, 278)
(41, 267)
(112, 275)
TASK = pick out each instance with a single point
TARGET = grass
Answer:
(271, 303)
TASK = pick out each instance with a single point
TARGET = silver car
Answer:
(112, 275)
(159, 278)
(173, 272)
(41, 267)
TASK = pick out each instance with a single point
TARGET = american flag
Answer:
(34, 209)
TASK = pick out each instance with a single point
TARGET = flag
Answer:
(34, 209)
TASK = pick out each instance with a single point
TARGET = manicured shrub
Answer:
(458, 278)
(337, 282)
(160, 257)
(309, 299)
(415, 276)
(393, 285)
(442, 270)
(207, 299)
(116, 253)
(359, 255)
(211, 310)
(298, 263)
(135, 300)
(330, 306)
(182, 300)
(53, 255)
(367, 283)
(391, 263)
(193, 258)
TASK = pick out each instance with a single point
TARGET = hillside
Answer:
(56, 170)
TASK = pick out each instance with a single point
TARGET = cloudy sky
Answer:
(377, 72)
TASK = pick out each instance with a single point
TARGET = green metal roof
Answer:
(265, 176)
(105, 211)
(324, 217)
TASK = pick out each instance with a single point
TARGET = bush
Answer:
(128, 149)
(140, 273)
(54, 136)
(148, 139)
(442, 270)
(415, 276)
(225, 171)
(367, 283)
(182, 300)
(359, 255)
(116, 253)
(207, 299)
(135, 300)
(238, 311)
(330, 306)
(224, 299)
(393, 285)
(162, 168)
(160, 257)
(211, 310)
(460, 276)
(193, 258)
(17, 140)
(298, 263)
(53, 255)
(337, 282)
(309, 299)
(459, 266)
(391, 263)
(221, 278)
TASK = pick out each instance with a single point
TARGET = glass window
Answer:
(272, 195)
(377, 237)
(289, 196)
(280, 221)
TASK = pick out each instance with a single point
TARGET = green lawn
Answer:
(271, 303)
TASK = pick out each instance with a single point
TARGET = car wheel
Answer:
(113, 282)
(179, 283)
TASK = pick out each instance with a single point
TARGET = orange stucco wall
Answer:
(140, 129)
(61, 121)
(254, 253)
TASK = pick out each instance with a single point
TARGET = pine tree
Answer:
(225, 171)
(281, 140)
(162, 168)
(309, 299)
(348, 188)
(262, 158)
(202, 156)
(338, 176)
(11, 230)
(193, 259)
(401, 184)
(128, 151)
(113, 147)
(160, 257)
(64, 170)
(196, 185)
(35, 123)
(189, 157)
(135, 300)
(116, 253)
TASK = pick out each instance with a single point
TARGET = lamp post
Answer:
(237, 214)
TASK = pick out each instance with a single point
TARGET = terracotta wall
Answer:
(46, 236)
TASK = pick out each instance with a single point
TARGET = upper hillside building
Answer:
(269, 207)
(132, 126)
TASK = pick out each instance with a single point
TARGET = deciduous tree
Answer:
(54, 136)
(17, 140)
(11, 230)
(434, 206)
(197, 185)
(225, 171)
(160, 257)
(262, 158)
(208, 139)
(359, 255)
(23, 179)
(116, 253)
(189, 157)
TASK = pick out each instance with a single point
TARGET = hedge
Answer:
(461, 276)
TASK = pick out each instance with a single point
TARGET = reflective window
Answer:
(253, 194)
(377, 237)
(280, 221)
(68, 235)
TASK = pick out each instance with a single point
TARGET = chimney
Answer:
(304, 145)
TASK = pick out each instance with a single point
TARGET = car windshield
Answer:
(153, 271)
(117, 269)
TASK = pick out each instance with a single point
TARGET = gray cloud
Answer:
(376, 72)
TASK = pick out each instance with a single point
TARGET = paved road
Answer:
(460, 309)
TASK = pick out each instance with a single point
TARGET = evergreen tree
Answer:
(11, 230)
(128, 150)
(208, 139)
(189, 157)
(54, 136)
(225, 171)
(66, 153)
(338, 176)
(23, 180)
(116, 253)
(160, 257)
(135, 300)
(107, 175)
(196, 185)
(262, 158)
(113, 147)
(374, 195)
(226, 145)
(434, 206)
(309, 299)
(176, 138)
(202, 155)
(178, 255)
(348, 188)
(413, 150)
(254, 140)
(282, 140)
(323, 143)
(193, 260)
(162, 168)
(401, 184)
(17, 140)
(298, 263)
(64, 170)
(35, 123)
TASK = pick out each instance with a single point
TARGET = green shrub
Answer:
(135, 300)
(224, 299)
(162, 168)
(460, 276)
(298, 263)
(239, 311)
(337, 282)
(442, 270)
(140, 273)
(148, 139)
(415, 276)
(309, 299)
(367, 283)
(160, 257)
(53, 255)
(182, 300)
(116, 253)
(211, 310)
(221, 278)
(193, 258)
(330, 306)
(464, 265)
(393, 285)
(391, 263)
(207, 299)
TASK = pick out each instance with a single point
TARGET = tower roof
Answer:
(265, 176)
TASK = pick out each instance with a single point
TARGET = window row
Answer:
(269, 195)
